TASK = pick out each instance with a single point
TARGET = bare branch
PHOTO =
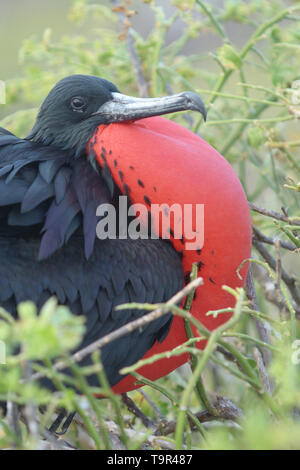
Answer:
(262, 330)
(259, 236)
(264, 377)
(273, 214)
(226, 410)
(289, 281)
(268, 286)
(136, 411)
(142, 83)
(151, 403)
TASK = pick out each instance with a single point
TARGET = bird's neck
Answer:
(72, 139)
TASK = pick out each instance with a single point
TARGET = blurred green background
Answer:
(20, 19)
(243, 58)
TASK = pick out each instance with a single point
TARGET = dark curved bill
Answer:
(127, 108)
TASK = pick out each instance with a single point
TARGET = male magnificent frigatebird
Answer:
(80, 154)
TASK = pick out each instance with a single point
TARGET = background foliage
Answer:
(251, 85)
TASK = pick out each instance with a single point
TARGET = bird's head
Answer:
(79, 103)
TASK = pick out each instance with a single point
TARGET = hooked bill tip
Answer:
(195, 103)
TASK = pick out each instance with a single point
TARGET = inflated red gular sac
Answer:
(156, 161)
(89, 146)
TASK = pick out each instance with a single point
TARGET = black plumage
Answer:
(50, 189)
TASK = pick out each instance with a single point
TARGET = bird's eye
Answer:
(77, 103)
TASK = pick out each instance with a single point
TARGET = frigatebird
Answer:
(89, 145)
(50, 188)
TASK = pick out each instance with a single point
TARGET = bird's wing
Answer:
(47, 190)
(44, 189)
(119, 271)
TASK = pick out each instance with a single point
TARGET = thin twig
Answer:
(53, 442)
(226, 410)
(261, 328)
(12, 418)
(126, 329)
(142, 83)
(136, 411)
(289, 281)
(263, 374)
(152, 404)
(259, 236)
(273, 214)
(278, 271)
(268, 286)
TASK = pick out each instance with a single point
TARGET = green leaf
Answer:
(229, 57)
(256, 137)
